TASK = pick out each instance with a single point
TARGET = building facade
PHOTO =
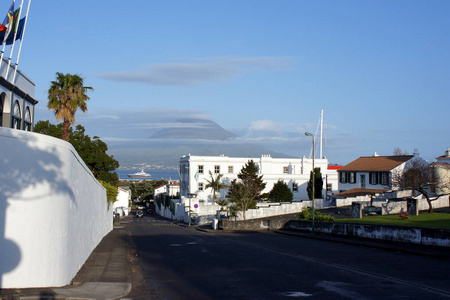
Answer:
(295, 172)
(442, 173)
(371, 172)
(17, 101)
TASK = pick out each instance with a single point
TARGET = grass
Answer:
(434, 220)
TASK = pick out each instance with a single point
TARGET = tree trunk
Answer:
(430, 206)
(66, 127)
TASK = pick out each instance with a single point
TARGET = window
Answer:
(16, 118)
(329, 187)
(384, 178)
(295, 187)
(230, 169)
(27, 120)
(200, 169)
(343, 177)
(352, 177)
(200, 186)
(216, 169)
(1, 110)
(285, 170)
(373, 177)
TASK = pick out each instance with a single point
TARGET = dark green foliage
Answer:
(280, 193)
(245, 192)
(318, 184)
(111, 192)
(92, 151)
(306, 215)
(144, 190)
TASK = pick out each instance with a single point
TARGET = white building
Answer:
(16, 98)
(295, 172)
(371, 172)
(122, 203)
(442, 173)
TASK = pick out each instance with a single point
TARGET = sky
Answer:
(264, 70)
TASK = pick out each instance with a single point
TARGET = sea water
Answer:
(156, 174)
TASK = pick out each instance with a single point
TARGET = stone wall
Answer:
(424, 236)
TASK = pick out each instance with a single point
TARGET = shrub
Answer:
(306, 215)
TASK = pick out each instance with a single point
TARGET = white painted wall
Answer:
(53, 212)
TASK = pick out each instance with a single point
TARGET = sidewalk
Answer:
(105, 275)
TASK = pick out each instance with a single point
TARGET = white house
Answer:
(162, 189)
(442, 173)
(122, 204)
(295, 172)
(371, 172)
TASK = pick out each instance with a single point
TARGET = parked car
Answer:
(139, 214)
(149, 211)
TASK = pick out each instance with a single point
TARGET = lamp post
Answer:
(313, 178)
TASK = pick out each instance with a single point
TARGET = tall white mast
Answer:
(21, 41)
(14, 40)
(321, 133)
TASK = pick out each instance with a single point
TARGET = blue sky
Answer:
(263, 70)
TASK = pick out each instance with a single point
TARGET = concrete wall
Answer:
(53, 212)
(424, 236)
(271, 223)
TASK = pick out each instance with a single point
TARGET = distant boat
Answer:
(140, 175)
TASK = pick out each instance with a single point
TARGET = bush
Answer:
(306, 215)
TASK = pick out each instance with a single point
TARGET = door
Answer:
(363, 182)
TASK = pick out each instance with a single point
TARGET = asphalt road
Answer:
(177, 262)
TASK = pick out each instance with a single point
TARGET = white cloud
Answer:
(194, 73)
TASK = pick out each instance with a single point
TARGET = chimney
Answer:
(447, 153)
(416, 152)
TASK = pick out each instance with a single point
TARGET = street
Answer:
(179, 262)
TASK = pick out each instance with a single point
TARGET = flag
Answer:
(196, 176)
(10, 39)
(8, 19)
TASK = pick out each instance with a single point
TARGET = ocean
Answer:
(156, 174)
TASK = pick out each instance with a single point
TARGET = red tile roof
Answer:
(376, 163)
(334, 167)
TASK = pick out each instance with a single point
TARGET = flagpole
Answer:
(21, 40)
(6, 35)
(14, 40)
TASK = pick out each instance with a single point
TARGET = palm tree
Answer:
(215, 184)
(65, 95)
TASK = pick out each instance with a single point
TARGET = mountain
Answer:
(167, 154)
(190, 128)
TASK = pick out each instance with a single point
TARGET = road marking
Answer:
(296, 294)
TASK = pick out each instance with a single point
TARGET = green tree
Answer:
(66, 95)
(318, 184)
(215, 184)
(247, 190)
(93, 152)
(280, 193)
(144, 190)
(111, 192)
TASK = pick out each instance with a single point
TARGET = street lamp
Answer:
(313, 178)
